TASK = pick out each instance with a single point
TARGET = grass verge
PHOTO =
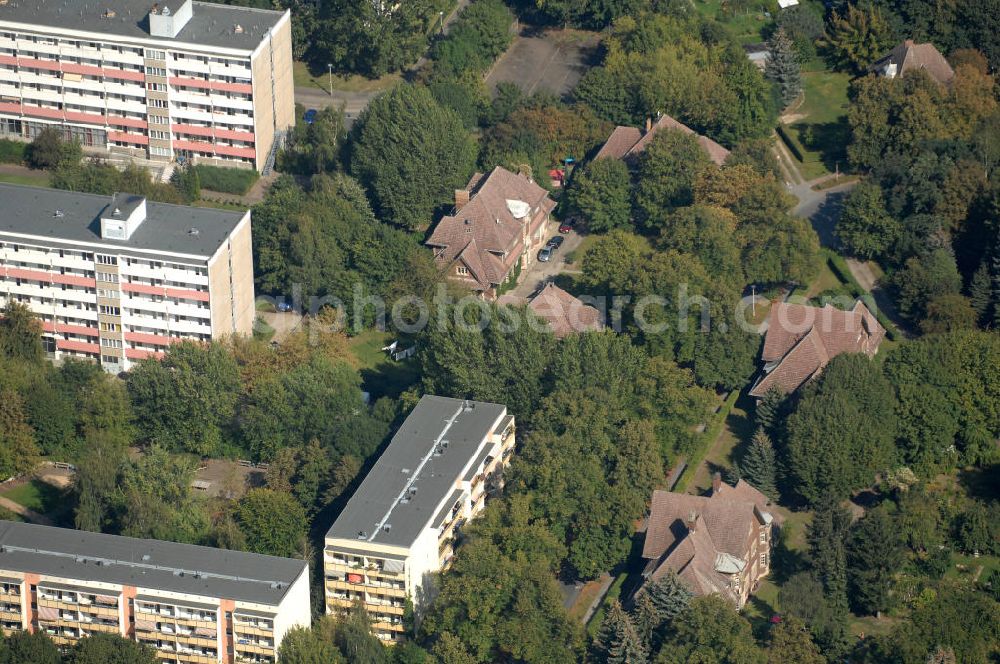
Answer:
(712, 432)
(43, 498)
(614, 592)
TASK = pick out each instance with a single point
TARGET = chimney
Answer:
(461, 198)
(716, 483)
(649, 124)
(691, 520)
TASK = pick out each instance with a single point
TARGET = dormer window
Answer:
(462, 270)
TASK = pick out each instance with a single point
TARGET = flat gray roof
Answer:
(211, 24)
(182, 568)
(399, 468)
(167, 228)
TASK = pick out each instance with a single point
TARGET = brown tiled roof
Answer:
(484, 234)
(564, 313)
(724, 524)
(626, 142)
(910, 56)
(622, 140)
(801, 340)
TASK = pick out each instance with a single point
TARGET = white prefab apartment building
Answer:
(156, 79)
(117, 279)
(192, 604)
(401, 525)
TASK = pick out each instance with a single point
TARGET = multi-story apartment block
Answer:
(401, 525)
(158, 80)
(192, 604)
(117, 279)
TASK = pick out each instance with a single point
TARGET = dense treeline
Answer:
(137, 443)
(685, 67)
(927, 211)
(38, 648)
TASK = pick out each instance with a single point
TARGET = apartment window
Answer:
(763, 560)
(159, 151)
(163, 135)
(111, 343)
(108, 277)
(109, 327)
(103, 259)
(102, 292)
(156, 87)
(156, 71)
(159, 119)
(158, 103)
(110, 311)
(109, 359)
(156, 55)
(462, 270)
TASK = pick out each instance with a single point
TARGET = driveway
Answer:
(552, 60)
(539, 273)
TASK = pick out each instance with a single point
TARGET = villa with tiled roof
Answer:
(801, 340)
(910, 56)
(715, 544)
(626, 143)
(498, 223)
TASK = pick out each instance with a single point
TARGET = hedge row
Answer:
(11, 152)
(226, 180)
(792, 142)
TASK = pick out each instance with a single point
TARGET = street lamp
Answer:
(441, 16)
(329, 69)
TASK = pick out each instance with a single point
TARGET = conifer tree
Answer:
(874, 556)
(669, 596)
(758, 465)
(980, 292)
(618, 641)
(646, 619)
(827, 535)
(783, 67)
(766, 412)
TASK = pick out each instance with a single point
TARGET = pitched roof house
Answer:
(627, 143)
(564, 313)
(801, 340)
(910, 56)
(498, 220)
(720, 543)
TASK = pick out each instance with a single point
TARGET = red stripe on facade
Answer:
(128, 138)
(79, 346)
(215, 149)
(49, 326)
(139, 354)
(118, 120)
(210, 132)
(151, 339)
(123, 74)
(8, 60)
(247, 136)
(222, 86)
(186, 294)
(73, 280)
(143, 288)
(10, 107)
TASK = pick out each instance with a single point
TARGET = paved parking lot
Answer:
(536, 275)
(552, 60)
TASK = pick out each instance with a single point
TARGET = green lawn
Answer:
(380, 374)
(822, 133)
(39, 180)
(305, 79)
(744, 25)
(738, 427)
(43, 498)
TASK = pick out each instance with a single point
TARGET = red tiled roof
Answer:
(910, 56)
(564, 313)
(801, 340)
(626, 142)
(725, 522)
(484, 234)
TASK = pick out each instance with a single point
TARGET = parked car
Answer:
(284, 306)
(567, 226)
(310, 116)
(544, 254)
(555, 242)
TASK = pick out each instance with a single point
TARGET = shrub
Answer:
(481, 33)
(226, 180)
(11, 152)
